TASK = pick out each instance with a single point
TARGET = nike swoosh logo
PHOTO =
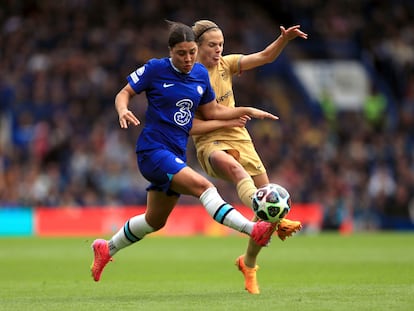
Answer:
(167, 85)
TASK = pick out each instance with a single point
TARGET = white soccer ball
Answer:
(271, 202)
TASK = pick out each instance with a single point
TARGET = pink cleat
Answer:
(262, 232)
(101, 258)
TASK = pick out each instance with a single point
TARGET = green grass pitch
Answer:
(321, 272)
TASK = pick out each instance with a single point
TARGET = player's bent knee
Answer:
(158, 226)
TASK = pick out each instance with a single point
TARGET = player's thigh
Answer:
(249, 158)
(187, 181)
(226, 166)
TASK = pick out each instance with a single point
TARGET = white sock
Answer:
(224, 213)
(134, 230)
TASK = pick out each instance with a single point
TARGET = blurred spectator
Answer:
(374, 109)
(62, 62)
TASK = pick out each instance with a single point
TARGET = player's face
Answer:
(211, 48)
(183, 56)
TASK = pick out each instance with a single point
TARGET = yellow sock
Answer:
(246, 190)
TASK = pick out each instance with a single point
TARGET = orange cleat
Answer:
(287, 228)
(250, 281)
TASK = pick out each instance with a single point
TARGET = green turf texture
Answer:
(320, 272)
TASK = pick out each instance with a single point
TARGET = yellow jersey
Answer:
(221, 79)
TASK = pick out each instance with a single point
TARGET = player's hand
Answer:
(261, 114)
(239, 122)
(292, 32)
(126, 117)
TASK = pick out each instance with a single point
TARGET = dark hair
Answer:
(179, 32)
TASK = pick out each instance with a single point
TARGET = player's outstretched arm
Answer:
(273, 50)
(206, 126)
(215, 111)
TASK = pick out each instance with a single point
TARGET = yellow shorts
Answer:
(243, 151)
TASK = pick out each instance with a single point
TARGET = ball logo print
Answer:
(271, 202)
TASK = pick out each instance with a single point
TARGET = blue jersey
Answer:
(173, 98)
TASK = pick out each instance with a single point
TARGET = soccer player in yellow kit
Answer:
(225, 149)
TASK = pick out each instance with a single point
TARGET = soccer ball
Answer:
(271, 202)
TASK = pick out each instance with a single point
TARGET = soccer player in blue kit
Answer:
(175, 88)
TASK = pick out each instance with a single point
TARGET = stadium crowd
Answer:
(62, 62)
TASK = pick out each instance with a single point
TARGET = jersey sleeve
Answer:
(232, 62)
(139, 79)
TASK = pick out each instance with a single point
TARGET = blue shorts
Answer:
(158, 167)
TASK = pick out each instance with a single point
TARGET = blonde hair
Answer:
(201, 27)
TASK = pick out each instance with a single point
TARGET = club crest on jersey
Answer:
(199, 89)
